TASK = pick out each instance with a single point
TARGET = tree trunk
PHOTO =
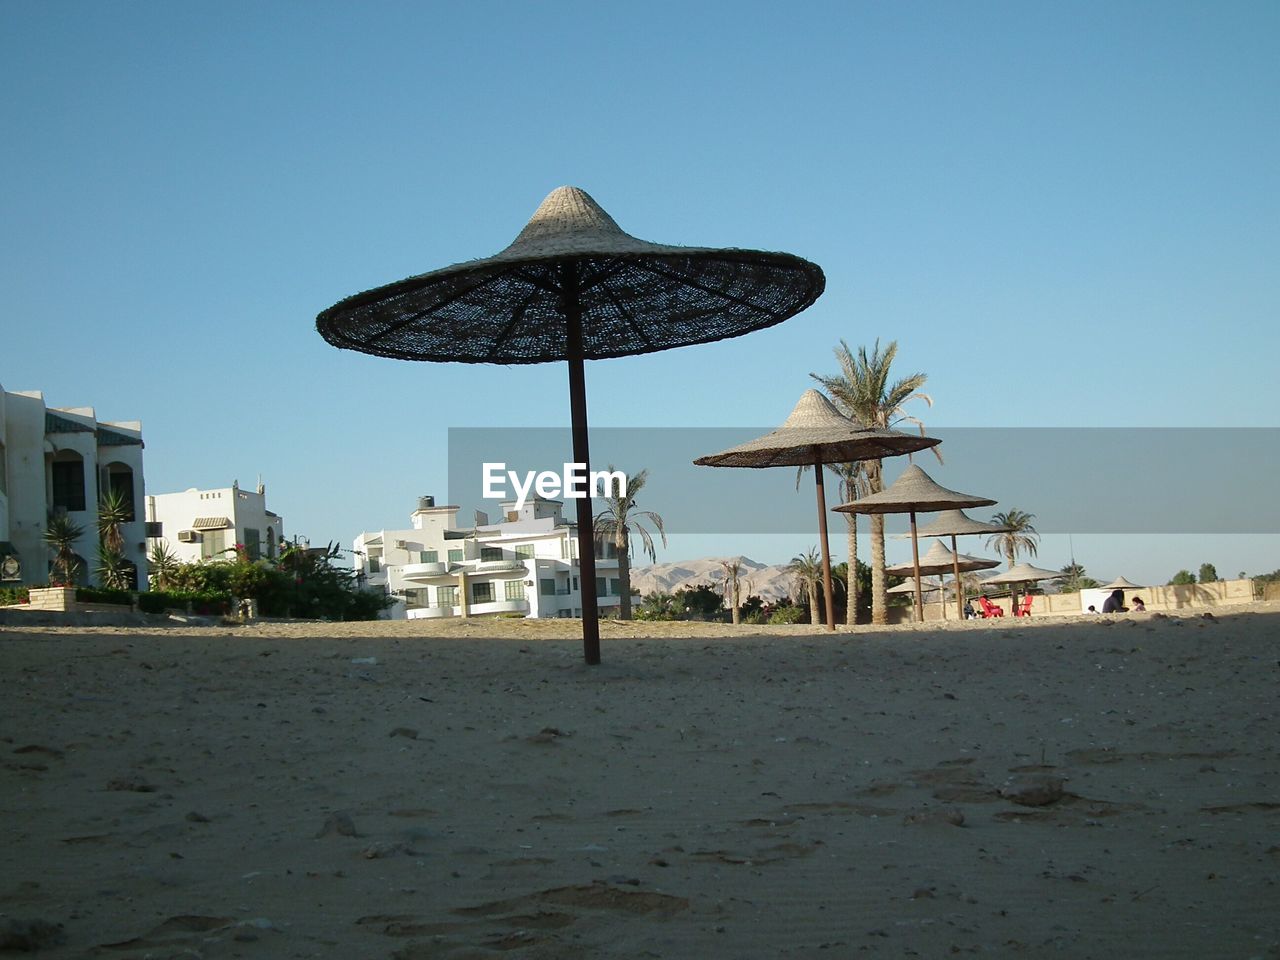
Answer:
(815, 616)
(879, 586)
(624, 577)
(851, 615)
(737, 601)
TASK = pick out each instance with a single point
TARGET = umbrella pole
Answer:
(955, 555)
(581, 455)
(826, 549)
(915, 560)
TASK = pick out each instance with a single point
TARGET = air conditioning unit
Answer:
(400, 545)
(188, 536)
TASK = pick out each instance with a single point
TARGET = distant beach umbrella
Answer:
(573, 286)
(816, 433)
(1023, 573)
(928, 584)
(939, 560)
(1120, 583)
(914, 491)
(954, 523)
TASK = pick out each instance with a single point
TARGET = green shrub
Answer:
(204, 602)
(102, 595)
(11, 596)
(787, 614)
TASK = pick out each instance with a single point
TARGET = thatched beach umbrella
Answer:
(1023, 573)
(939, 560)
(814, 434)
(914, 491)
(1120, 583)
(953, 523)
(927, 584)
(573, 286)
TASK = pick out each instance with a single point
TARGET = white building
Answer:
(60, 460)
(527, 564)
(204, 524)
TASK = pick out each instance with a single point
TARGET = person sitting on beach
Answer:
(1139, 606)
(1115, 603)
(969, 612)
(1092, 609)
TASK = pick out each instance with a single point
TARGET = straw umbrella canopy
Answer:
(1023, 573)
(939, 560)
(914, 491)
(573, 286)
(1120, 583)
(816, 433)
(953, 523)
(927, 584)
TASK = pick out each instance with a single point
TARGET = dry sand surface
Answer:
(371, 791)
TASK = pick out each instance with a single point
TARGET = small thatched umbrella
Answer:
(1023, 573)
(953, 523)
(927, 584)
(814, 434)
(914, 491)
(1120, 583)
(940, 560)
(573, 286)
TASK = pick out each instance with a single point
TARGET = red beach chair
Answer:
(989, 609)
(1024, 609)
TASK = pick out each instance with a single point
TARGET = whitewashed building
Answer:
(57, 460)
(525, 565)
(200, 525)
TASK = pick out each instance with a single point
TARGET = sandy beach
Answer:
(1023, 789)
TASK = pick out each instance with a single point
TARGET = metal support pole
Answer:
(581, 455)
(955, 554)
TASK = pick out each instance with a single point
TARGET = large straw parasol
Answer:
(1023, 573)
(816, 433)
(927, 584)
(1120, 583)
(953, 523)
(573, 286)
(940, 560)
(914, 491)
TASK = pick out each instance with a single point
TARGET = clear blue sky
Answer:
(1067, 215)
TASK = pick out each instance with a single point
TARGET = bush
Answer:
(204, 602)
(121, 598)
(787, 614)
(11, 596)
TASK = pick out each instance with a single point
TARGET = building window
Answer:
(455, 556)
(602, 587)
(119, 480)
(375, 564)
(447, 596)
(429, 556)
(524, 551)
(68, 481)
(515, 590)
(212, 544)
(253, 543)
(575, 583)
(489, 554)
(482, 592)
(512, 516)
(271, 543)
(547, 587)
(615, 587)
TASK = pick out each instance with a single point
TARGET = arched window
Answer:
(67, 480)
(119, 480)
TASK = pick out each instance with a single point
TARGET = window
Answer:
(602, 587)
(455, 556)
(375, 564)
(429, 556)
(547, 587)
(271, 543)
(489, 554)
(482, 591)
(446, 596)
(119, 480)
(575, 583)
(615, 587)
(213, 543)
(68, 481)
(253, 543)
(515, 590)
(524, 551)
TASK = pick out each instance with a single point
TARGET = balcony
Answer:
(488, 608)
(424, 571)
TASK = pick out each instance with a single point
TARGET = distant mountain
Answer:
(769, 582)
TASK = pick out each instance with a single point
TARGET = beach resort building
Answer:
(200, 525)
(525, 565)
(60, 460)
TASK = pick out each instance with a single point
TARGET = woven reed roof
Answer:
(929, 586)
(816, 432)
(953, 523)
(1024, 573)
(913, 490)
(635, 297)
(939, 559)
(1120, 583)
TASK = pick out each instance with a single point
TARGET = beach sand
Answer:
(364, 790)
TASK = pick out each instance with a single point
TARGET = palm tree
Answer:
(862, 391)
(733, 584)
(807, 569)
(114, 511)
(164, 565)
(659, 606)
(113, 570)
(1020, 535)
(616, 524)
(61, 536)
